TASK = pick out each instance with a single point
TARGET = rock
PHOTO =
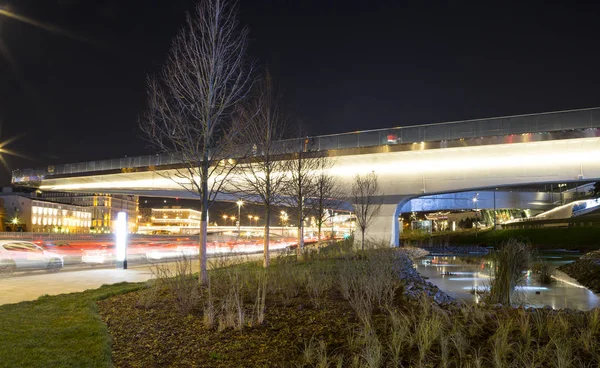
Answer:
(448, 249)
(417, 285)
(586, 270)
(440, 297)
(497, 306)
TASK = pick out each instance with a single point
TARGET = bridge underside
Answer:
(405, 175)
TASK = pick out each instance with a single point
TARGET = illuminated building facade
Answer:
(34, 215)
(174, 220)
(104, 208)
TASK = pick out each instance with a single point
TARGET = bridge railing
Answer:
(503, 126)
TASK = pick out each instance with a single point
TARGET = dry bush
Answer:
(318, 281)
(181, 286)
(368, 282)
(502, 346)
(148, 297)
(260, 303)
(238, 297)
(510, 261)
(287, 282)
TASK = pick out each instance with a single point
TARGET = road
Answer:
(30, 286)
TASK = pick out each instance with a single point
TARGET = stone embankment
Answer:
(586, 270)
(457, 250)
(417, 285)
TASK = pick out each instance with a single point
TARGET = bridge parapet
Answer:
(539, 124)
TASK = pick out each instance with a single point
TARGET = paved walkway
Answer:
(31, 286)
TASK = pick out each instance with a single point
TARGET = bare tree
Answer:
(192, 100)
(263, 174)
(300, 187)
(364, 199)
(327, 194)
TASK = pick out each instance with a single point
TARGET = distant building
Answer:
(104, 208)
(169, 220)
(36, 215)
(145, 216)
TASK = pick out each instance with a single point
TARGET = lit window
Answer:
(34, 220)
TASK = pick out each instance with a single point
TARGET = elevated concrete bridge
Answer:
(410, 162)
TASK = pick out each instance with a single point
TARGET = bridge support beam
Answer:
(385, 227)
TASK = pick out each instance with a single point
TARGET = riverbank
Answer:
(586, 270)
(573, 238)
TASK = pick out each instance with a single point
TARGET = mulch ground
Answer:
(161, 337)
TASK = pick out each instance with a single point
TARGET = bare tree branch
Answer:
(300, 188)
(192, 101)
(263, 173)
(327, 196)
(364, 199)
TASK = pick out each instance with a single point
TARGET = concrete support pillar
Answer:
(385, 226)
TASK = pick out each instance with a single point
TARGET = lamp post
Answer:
(476, 213)
(250, 217)
(225, 219)
(232, 220)
(284, 218)
(495, 210)
(239, 203)
(333, 215)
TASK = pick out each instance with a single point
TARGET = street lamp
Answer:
(225, 219)
(232, 220)
(475, 200)
(284, 218)
(239, 203)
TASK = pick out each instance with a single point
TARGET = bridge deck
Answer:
(543, 126)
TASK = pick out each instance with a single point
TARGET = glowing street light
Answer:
(239, 203)
(284, 218)
(225, 219)
(475, 200)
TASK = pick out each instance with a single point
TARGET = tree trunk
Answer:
(319, 237)
(300, 238)
(266, 260)
(363, 239)
(203, 277)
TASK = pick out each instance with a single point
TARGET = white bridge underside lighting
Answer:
(568, 159)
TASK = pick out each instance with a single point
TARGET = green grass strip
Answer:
(58, 331)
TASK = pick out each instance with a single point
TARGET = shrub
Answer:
(509, 262)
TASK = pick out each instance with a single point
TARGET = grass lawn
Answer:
(58, 331)
(345, 309)
(582, 238)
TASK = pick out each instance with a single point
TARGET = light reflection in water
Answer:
(459, 276)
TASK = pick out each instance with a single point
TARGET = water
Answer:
(459, 275)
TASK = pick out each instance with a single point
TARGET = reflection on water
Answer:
(467, 277)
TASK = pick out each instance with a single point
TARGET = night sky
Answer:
(75, 94)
